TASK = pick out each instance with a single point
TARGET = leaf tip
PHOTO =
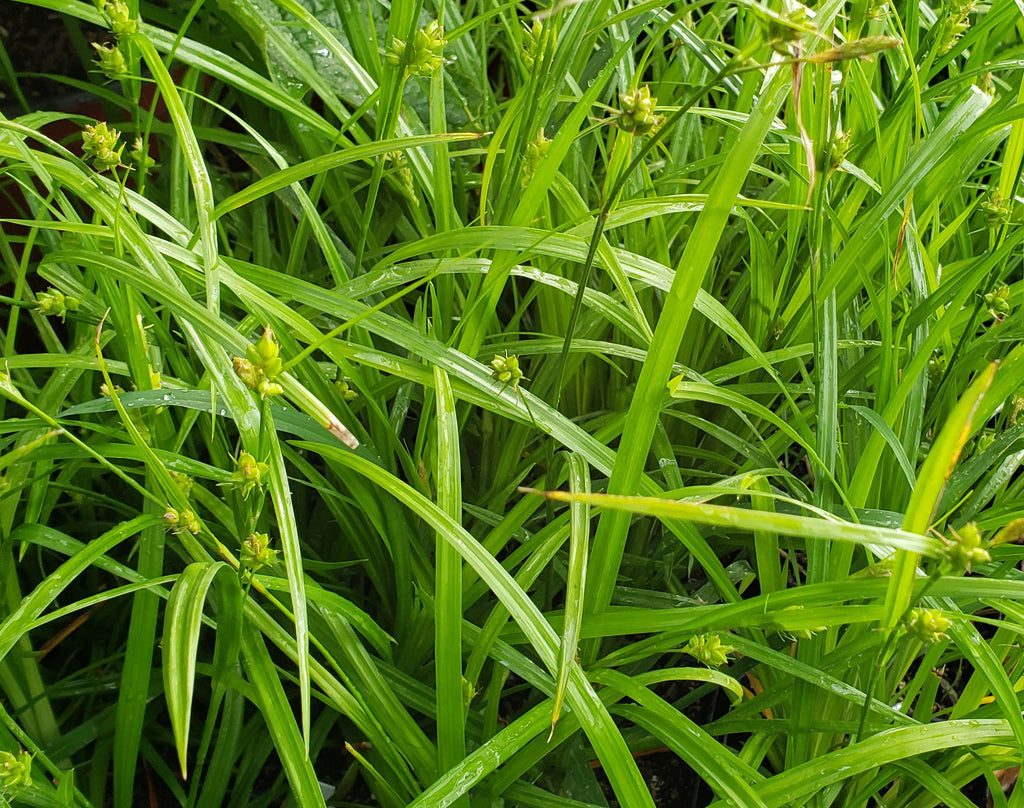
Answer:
(341, 432)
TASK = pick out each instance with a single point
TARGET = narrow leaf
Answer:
(579, 545)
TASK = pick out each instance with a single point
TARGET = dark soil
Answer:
(42, 46)
(671, 782)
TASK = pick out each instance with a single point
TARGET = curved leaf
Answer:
(182, 622)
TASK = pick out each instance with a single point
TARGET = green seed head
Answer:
(1016, 407)
(183, 482)
(15, 770)
(709, 650)
(249, 474)
(268, 388)
(928, 625)
(984, 440)
(954, 23)
(536, 151)
(261, 365)
(110, 61)
(264, 355)
(995, 211)
(966, 548)
(637, 113)
(346, 391)
(506, 370)
(180, 521)
(54, 303)
(858, 49)
(531, 43)
(1013, 532)
(99, 143)
(188, 521)
(840, 148)
(256, 552)
(423, 55)
(998, 302)
(119, 17)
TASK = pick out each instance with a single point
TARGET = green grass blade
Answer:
(451, 697)
(749, 520)
(601, 731)
(327, 162)
(579, 546)
(277, 713)
(892, 745)
(937, 468)
(182, 621)
(291, 550)
(137, 673)
(193, 154)
(732, 781)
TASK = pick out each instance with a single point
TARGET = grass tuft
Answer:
(474, 403)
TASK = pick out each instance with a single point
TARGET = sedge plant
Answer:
(457, 403)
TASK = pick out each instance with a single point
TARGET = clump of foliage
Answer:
(448, 404)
